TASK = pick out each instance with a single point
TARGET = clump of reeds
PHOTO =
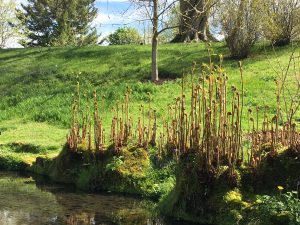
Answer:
(121, 127)
(206, 118)
(212, 126)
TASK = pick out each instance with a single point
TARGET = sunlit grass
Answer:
(25, 141)
(36, 84)
(40, 134)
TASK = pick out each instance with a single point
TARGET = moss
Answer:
(233, 196)
(130, 171)
(198, 195)
(225, 198)
(40, 166)
(275, 169)
(136, 162)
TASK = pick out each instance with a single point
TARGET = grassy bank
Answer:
(36, 84)
(137, 157)
(23, 141)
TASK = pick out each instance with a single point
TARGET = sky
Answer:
(115, 13)
(112, 14)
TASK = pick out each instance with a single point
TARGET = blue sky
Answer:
(115, 13)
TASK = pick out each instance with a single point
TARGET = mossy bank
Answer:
(184, 191)
(133, 171)
(262, 195)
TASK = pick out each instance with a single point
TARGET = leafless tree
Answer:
(157, 13)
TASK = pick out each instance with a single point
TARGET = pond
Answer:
(28, 201)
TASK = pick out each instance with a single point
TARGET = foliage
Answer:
(8, 22)
(58, 23)
(282, 20)
(240, 20)
(125, 35)
(280, 209)
(160, 180)
(116, 162)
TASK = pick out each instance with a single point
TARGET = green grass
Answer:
(36, 84)
(24, 141)
(24, 132)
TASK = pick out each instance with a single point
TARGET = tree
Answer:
(193, 25)
(173, 21)
(58, 22)
(156, 12)
(8, 26)
(125, 35)
(282, 21)
(241, 21)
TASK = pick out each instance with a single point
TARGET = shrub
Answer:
(240, 22)
(282, 21)
(125, 35)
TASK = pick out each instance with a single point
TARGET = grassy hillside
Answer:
(36, 84)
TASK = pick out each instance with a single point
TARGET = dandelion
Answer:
(280, 188)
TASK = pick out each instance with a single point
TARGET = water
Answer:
(27, 201)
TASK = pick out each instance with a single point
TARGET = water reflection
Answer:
(23, 201)
(28, 201)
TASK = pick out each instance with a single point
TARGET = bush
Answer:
(282, 22)
(240, 22)
(125, 35)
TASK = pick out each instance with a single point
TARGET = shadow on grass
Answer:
(26, 148)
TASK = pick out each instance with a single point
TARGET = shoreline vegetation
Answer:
(207, 156)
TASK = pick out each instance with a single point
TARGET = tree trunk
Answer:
(194, 21)
(154, 60)
(154, 74)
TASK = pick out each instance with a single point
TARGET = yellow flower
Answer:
(280, 188)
